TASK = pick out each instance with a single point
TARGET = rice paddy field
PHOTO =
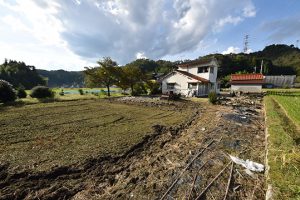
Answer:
(283, 122)
(40, 136)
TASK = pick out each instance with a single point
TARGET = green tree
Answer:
(132, 76)
(20, 74)
(145, 65)
(104, 75)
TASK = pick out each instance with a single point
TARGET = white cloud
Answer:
(228, 20)
(231, 50)
(249, 11)
(122, 29)
(235, 50)
(140, 55)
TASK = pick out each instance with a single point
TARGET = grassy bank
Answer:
(283, 150)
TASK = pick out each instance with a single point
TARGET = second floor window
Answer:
(202, 70)
(211, 70)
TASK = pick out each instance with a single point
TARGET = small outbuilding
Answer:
(247, 83)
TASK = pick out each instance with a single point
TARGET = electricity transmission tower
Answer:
(246, 43)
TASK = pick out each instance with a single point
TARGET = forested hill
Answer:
(277, 60)
(62, 78)
(283, 55)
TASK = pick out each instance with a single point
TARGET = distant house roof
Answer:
(247, 79)
(198, 78)
(195, 62)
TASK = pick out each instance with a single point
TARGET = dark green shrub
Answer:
(7, 92)
(80, 91)
(212, 97)
(41, 92)
(139, 89)
(154, 87)
(21, 93)
(61, 93)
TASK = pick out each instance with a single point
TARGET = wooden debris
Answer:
(195, 178)
(215, 178)
(188, 165)
(229, 180)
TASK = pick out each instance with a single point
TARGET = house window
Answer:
(211, 70)
(170, 86)
(192, 85)
(202, 70)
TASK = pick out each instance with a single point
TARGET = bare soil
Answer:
(155, 167)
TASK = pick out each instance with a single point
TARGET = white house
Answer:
(195, 78)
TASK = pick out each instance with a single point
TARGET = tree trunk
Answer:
(131, 86)
(108, 91)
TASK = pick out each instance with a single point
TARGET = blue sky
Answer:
(72, 34)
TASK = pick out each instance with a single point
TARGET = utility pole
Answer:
(246, 43)
(297, 43)
(261, 66)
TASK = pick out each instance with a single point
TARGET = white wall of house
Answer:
(211, 75)
(181, 83)
(251, 88)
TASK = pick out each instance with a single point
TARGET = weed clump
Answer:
(21, 93)
(7, 92)
(61, 93)
(41, 92)
(80, 91)
(212, 96)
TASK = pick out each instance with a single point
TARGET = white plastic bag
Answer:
(253, 166)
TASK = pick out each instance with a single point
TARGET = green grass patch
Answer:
(291, 105)
(43, 135)
(284, 153)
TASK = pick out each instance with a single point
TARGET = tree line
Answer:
(20, 75)
(136, 76)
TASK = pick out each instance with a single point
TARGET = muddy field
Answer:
(174, 162)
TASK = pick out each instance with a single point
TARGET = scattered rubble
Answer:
(186, 166)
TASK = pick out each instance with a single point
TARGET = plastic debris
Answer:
(250, 165)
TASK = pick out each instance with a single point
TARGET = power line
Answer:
(246, 43)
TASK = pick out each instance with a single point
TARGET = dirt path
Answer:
(236, 129)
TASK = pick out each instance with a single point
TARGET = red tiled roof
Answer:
(193, 76)
(244, 77)
(247, 79)
(195, 62)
